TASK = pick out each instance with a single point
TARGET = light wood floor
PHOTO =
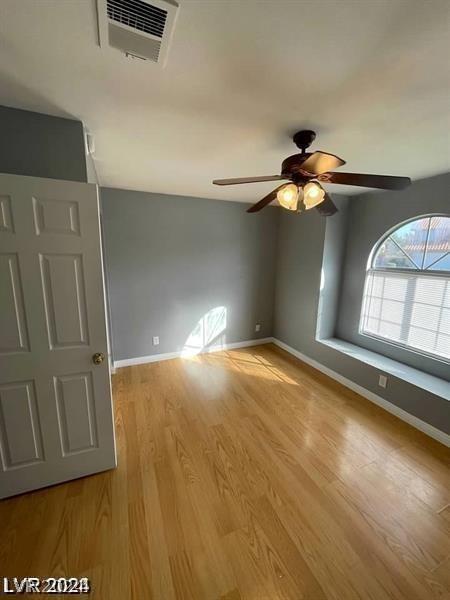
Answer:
(245, 474)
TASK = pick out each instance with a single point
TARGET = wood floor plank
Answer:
(306, 584)
(245, 475)
(388, 569)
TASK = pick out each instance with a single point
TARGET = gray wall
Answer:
(298, 279)
(301, 257)
(171, 259)
(370, 216)
(332, 269)
(41, 146)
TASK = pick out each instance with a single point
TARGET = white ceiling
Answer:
(372, 77)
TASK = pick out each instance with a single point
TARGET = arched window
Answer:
(407, 291)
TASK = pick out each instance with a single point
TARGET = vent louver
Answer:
(139, 28)
(138, 15)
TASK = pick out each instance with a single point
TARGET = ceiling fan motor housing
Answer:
(291, 167)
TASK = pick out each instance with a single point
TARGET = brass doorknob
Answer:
(98, 358)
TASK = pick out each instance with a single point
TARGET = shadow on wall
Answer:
(208, 333)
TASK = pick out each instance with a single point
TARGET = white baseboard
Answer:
(140, 360)
(433, 432)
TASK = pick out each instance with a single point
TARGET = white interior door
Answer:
(56, 417)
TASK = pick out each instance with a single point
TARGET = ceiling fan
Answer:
(305, 173)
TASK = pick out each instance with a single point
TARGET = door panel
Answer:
(65, 301)
(56, 216)
(56, 419)
(6, 222)
(76, 413)
(14, 336)
(18, 414)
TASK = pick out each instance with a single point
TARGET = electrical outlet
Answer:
(156, 340)
(382, 381)
(258, 327)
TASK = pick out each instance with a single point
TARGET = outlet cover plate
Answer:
(382, 381)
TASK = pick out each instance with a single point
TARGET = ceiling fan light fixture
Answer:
(304, 171)
(287, 196)
(313, 194)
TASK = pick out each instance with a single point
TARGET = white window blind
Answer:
(410, 309)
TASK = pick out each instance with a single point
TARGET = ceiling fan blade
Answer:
(265, 201)
(327, 208)
(249, 179)
(320, 162)
(383, 182)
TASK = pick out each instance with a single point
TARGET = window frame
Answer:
(370, 269)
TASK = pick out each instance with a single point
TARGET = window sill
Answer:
(422, 380)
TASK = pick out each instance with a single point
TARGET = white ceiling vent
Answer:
(139, 28)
